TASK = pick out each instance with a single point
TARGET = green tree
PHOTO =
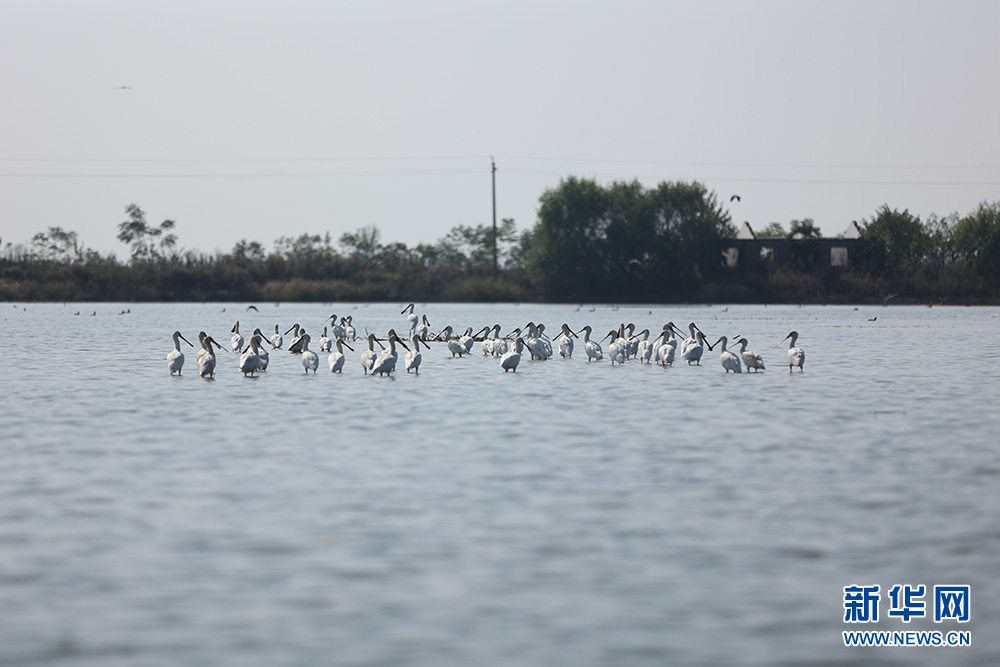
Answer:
(566, 253)
(363, 245)
(149, 243)
(773, 230)
(594, 242)
(897, 237)
(689, 225)
(248, 251)
(802, 246)
(57, 245)
(977, 240)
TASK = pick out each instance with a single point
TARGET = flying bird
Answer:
(735, 198)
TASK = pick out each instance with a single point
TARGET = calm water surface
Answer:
(571, 514)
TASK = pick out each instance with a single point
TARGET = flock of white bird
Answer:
(625, 344)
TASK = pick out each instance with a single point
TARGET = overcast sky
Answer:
(253, 119)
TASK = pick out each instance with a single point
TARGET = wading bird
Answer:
(296, 331)
(263, 358)
(411, 319)
(413, 357)
(510, 360)
(386, 363)
(796, 357)
(729, 360)
(310, 360)
(295, 347)
(369, 356)
(249, 361)
(336, 359)
(694, 351)
(750, 358)
(175, 358)
(565, 338)
(325, 344)
(237, 339)
(276, 339)
(592, 349)
(206, 355)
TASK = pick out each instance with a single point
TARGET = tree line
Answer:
(620, 242)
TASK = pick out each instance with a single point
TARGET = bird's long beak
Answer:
(425, 344)
(186, 340)
(403, 344)
(289, 330)
(346, 345)
(780, 342)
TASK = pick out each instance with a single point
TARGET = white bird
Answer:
(237, 339)
(469, 339)
(510, 360)
(617, 348)
(665, 353)
(729, 360)
(796, 357)
(539, 348)
(310, 360)
(488, 343)
(643, 346)
(201, 344)
(175, 358)
(386, 363)
(369, 356)
(325, 344)
(413, 357)
(206, 355)
(337, 330)
(263, 358)
(249, 360)
(276, 339)
(295, 330)
(691, 339)
(295, 347)
(632, 340)
(411, 319)
(424, 328)
(336, 359)
(499, 344)
(666, 338)
(455, 346)
(592, 349)
(350, 333)
(565, 338)
(694, 351)
(750, 358)
(544, 348)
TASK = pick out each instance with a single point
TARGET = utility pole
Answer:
(493, 165)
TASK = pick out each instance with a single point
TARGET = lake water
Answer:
(573, 513)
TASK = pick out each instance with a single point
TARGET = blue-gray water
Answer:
(571, 514)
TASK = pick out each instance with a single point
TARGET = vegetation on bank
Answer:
(613, 243)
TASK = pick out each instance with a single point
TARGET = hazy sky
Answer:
(252, 119)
